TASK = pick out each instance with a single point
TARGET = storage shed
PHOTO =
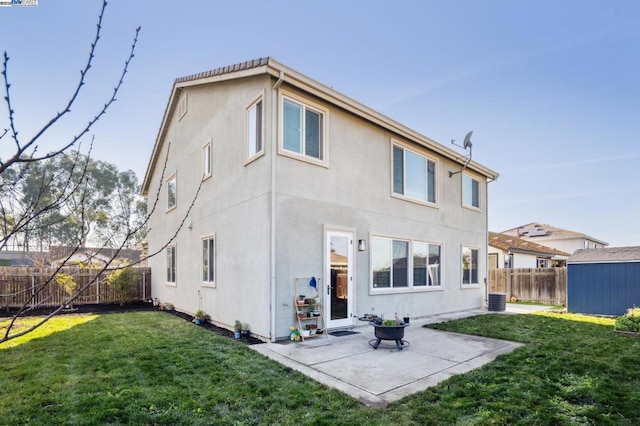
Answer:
(603, 281)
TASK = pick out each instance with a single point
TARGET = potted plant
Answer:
(245, 329)
(198, 316)
(301, 300)
(295, 334)
(237, 329)
(168, 306)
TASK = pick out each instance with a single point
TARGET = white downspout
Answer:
(274, 154)
(486, 264)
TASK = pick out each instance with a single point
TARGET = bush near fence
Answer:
(19, 284)
(539, 285)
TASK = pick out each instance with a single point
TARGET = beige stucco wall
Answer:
(353, 193)
(233, 205)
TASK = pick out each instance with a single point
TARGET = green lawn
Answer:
(154, 368)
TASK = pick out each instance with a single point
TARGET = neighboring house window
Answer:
(414, 175)
(469, 265)
(401, 264)
(542, 263)
(182, 106)
(171, 192)
(171, 264)
(303, 129)
(208, 260)
(255, 129)
(206, 158)
(470, 191)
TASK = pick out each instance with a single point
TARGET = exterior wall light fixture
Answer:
(362, 245)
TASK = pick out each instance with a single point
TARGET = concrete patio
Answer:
(379, 376)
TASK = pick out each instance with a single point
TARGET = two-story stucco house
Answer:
(301, 181)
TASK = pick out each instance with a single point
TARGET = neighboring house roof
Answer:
(544, 231)
(16, 258)
(60, 253)
(606, 255)
(284, 74)
(514, 244)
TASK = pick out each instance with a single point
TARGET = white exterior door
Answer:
(339, 278)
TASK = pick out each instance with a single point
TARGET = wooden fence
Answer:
(542, 285)
(35, 286)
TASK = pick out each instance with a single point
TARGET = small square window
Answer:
(255, 129)
(206, 158)
(470, 191)
(182, 106)
(171, 264)
(172, 195)
(208, 260)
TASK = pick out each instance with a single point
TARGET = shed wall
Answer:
(603, 288)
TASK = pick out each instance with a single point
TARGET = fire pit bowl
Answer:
(389, 332)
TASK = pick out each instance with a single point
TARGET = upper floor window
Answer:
(414, 175)
(470, 265)
(303, 129)
(470, 191)
(255, 127)
(402, 264)
(171, 264)
(172, 195)
(206, 159)
(182, 106)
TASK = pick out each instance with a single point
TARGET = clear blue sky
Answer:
(551, 89)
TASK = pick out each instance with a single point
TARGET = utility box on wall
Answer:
(603, 281)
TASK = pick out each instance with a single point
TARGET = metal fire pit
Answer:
(389, 332)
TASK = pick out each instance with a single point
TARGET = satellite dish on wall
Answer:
(467, 140)
(465, 145)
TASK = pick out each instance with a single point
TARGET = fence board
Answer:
(36, 287)
(541, 285)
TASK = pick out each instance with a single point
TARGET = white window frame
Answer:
(462, 181)
(249, 153)
(542, 262)
(462, 269)
(207, 159)
(182, 106)
(411, 287)
(171, 269)
(405, 147)
(210, 280)
(169, 181)
(324, 141)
